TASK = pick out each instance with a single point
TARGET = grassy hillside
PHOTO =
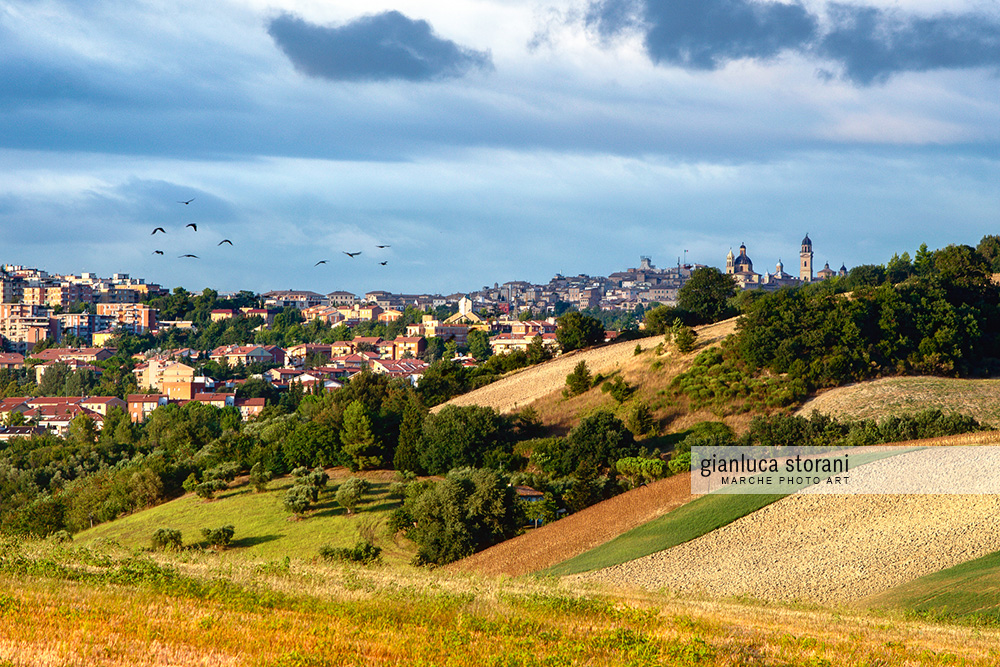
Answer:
(650, 372)
(264, 529)
(906, 395)
(74, 606)
(969, 591)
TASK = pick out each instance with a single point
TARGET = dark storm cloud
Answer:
(706, 34)
(870, 44)
(873, 44)
(373, 48)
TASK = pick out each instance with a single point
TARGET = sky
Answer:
(483, 141)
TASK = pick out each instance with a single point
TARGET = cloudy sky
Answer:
(489, 140)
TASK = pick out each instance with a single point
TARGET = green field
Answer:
(969, 591)
(685, 523)
(265, 530)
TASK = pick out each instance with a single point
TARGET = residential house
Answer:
(11, 360)
(249, 407)
(140, 405)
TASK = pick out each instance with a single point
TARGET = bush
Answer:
(208, 489)
(219, 537)
(299, 497)
(167, 539)
(363, 552)
(618, 388)
(259, 477)
(578, 381)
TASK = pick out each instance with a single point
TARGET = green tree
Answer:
(576, 330)
(479, 344)
(259, 477)
(357, 439)
(470, 510)
(578, 381)
(684, 337)
(586, 490)
(351, 492)
(407, 457)
(706, 295)
(460, 436)
(601, 439)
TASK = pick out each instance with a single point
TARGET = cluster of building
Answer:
(34, 306)
(740, 267)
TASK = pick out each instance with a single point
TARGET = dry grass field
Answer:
(904, 395)
(128, 610)
(541, 386)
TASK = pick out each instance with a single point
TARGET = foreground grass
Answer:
(969, 592)
(78, 606)
(264, 528)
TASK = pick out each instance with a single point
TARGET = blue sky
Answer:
(487, 141)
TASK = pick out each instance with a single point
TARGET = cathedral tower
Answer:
(806, 261)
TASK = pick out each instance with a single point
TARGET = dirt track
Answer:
(568, 537)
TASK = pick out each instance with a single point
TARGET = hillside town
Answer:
(73, 322)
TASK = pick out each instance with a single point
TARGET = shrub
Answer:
(259, 477)
(363, 552)
(578, 381)
(298, 498)
(219, 537)
(167, 539)
(208, 489)
(618, 388)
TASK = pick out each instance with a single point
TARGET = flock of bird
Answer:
(194, 226)
(191, 225)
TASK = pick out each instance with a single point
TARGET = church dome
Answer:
(742, 264)
(806, 241)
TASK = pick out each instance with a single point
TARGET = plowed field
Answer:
(576, 533)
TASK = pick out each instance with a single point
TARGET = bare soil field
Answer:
(576, 533)
(906, 395)
(822, 548)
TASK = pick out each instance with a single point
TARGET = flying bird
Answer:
(186, 202)
(322, 261)
(195, 256)
(225, 241)
(352, 254)
(383, 246)
(383, 263)
(157, 252)
(192, 225)
(159, 229)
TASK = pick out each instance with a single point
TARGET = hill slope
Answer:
(264, 529)
(829, 548)
(541, 386)
(576, 533)
(905, 395)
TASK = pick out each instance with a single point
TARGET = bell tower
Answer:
(806, 260)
